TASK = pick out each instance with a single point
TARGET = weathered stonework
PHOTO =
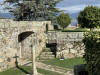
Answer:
(17, 38)
(69, 44)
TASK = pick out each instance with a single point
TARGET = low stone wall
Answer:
(69, 44)
(70, 49)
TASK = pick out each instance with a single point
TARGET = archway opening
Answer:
(24, 35)
(25, 40)
(53, 47)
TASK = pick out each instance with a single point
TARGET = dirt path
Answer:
(57, 69)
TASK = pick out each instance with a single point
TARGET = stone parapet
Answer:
(8, 23)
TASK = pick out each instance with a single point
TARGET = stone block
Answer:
(69, 55)
(1, 60)
(73, 51)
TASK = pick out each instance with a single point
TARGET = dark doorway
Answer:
(24, 35)
(55, 27)
(53, 47)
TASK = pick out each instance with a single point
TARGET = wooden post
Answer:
(20, 50)
(33, 61)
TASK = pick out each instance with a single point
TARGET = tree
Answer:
(64, 20)
(34, 9)
(89, 17)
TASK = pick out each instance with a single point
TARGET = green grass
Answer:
(46, 72)
(75, 30)
(15, 71)
(67, 63)
(69, 30)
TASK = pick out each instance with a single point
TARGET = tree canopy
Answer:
(33, 9)
(89, 17)
(64, 20)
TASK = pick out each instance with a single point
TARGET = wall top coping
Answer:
(6, 23)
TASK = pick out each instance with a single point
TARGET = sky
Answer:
(74, 6)
(71, 6)
(1, 10)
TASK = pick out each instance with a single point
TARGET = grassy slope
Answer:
(15, 71)
(67, 63)
(46, 72)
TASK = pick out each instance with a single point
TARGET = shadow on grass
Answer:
(18, 67)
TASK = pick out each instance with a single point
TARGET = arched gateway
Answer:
(18, 37)
(26, 40)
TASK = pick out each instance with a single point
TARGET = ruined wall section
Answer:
(69, 44)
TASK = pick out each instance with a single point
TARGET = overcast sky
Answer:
(74, 6)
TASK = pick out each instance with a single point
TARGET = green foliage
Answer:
(33, 9)
(89, 17)
(92, 52)
(64, 20)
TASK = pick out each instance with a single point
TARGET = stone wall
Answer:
(69, 44)
(17, 38)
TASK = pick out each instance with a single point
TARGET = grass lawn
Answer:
(16, 71)
(72, 30)
(75, 30)
(46, 72)
(67, 63)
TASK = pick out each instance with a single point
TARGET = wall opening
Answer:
(24, 35)
(26, 42)
(53, 47)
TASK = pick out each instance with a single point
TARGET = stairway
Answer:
(46, 54)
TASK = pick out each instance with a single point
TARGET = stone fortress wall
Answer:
(69, 44)
(17, 38)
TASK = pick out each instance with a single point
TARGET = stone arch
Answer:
(25, 40)
(24, 35)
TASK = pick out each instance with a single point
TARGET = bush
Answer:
(92, 52)
(64, 20)
(89, 17)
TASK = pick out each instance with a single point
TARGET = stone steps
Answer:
(47, 50)
(45, 58)
(47, 54)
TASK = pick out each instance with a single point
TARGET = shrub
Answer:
(92, 52)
